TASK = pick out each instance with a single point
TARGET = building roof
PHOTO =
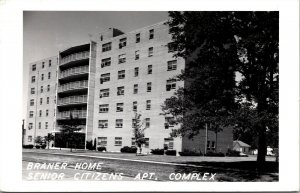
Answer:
(241, 144)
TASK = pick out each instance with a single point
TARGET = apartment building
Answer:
(105, 82)
(41, 99)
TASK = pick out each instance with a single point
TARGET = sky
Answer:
(45, 33)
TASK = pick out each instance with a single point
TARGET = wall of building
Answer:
(197, 143)
(43, 119)
(156, 132)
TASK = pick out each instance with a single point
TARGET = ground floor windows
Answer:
(211, 145)
(118, 141)
(168, 143)
(29, 138)
(102, 141)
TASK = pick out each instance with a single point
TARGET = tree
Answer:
(39, 140)
(70, 129)
(49, 138)
(138, 131)
(217, 46)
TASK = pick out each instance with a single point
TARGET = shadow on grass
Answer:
(236, 171)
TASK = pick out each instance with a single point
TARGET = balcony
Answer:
(77, 71)
(80, 114)
(74, 57)
(73, 86)
(72, 100)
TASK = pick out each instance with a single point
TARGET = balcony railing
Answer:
(73, 86)
(74, 57)
(74, 71)
(73, 100)
(75, 114)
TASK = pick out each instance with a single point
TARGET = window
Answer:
(40, 125)
(42, 89)
(29, 138)
(105, 62)
(46, 125)
(120, 107)
(120, 90)
(135, 89)
(172, 65)
(31, 102)
(30, 126)
(104, 78)
(148, 104)
(121, 74)
(49, 63)
(33, 67)
(48, 99)
(146, 142)
(134, 106)
(137, 38)
(122, 58)
(136, 71)
(32, 79)
(49, 75)
(103, 108)
(150, 52)
(43, 64)
(149, 87)
(48, 88)
(118, 141)
(102, 124)
(171, 47)
(151, 34)
(133, 142)
(208, 145)
(122, 43)
(32, 90)
(40, 114)
(102, 141)
(169, 122)
(213, 147)
(106, 47)
(171, 84)
(137, 55)
(42, 77)
(149, 69)
(30, 114)
(119, 123)
(47, 113)
(41, 101)
(169, 143)
(147, 120)
(104, 93)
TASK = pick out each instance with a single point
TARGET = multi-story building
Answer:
(104, 83)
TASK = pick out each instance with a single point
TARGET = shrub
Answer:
(127, 149)
(37, 146)
(43, 146)
(101, 149)
(158, 151)
(171, 152)
(27, 146)
(189, 153)
(214, 154)
(89, 145)
(233, 153)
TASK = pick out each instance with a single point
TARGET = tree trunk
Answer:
(262, 147)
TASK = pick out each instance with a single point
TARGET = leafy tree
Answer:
(49, 138)
(138, 131)
(39, 140)
(218, 46)
(69, 130)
